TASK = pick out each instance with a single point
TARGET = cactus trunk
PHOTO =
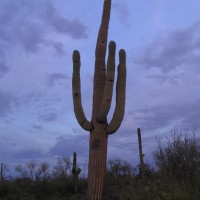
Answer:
(97, 162)
(102, 96)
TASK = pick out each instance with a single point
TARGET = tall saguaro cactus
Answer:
(102, 96)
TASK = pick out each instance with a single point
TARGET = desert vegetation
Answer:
(174, 174)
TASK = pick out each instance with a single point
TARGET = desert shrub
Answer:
(119, 175)
(148, 171)
(119, 167)
(179, 157)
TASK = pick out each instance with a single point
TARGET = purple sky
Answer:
(37, 39)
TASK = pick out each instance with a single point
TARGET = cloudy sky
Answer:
(37, 39)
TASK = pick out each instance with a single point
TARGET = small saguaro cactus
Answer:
(141, 155)
(1, 173)
(102, 96)
(75, 172)
(3, 169)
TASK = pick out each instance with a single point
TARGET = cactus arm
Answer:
(100, 52)
(120, 95)
(108, 90)
(76, 90)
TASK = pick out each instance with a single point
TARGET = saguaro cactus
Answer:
(1, 173)
(141, 168)
(3, 169)
(102, 96)
(75, 172)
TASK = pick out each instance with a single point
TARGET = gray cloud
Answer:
(59, 48)
(56, 78)
(68, 145)
(7, 103)
(28, 24)
(29, 154)
(10, 149)
(48, 117)
(74, 28)
(180, 49)
(4, 68)
(32, 97)
(171, 79)
(122, 11)
(155, 118)
(184, 115)
(37, 127)
(191, 120)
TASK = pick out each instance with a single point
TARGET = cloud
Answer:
(171, 79)
(74, 28)
(13, 149)
(179, 114)
(32, 97)
(8, 103)
(37, 127)
(48, 117)
(68, 145)
(180, 49)
(4, 69)
(56, 78)
(29, 24)
(191, 119)
(29, 154)
(122, 11)
(59, 48)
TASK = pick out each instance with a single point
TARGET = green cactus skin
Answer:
(75, 172)
(102, 96)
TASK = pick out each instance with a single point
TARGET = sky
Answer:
(37, 39)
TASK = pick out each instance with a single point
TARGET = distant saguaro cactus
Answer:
(1, 173)
(3, 169)
(141, 168)
(75, 172)
(102, 96)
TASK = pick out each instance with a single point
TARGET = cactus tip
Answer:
(122, 56)
(112, 45)
(122, 52)
(76, 54)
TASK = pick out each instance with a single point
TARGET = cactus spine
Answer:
(75, 172)
(141, 155)
(102, 96)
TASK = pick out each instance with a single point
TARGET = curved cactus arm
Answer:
(120, 95)
(108, 90)
(76, 90)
